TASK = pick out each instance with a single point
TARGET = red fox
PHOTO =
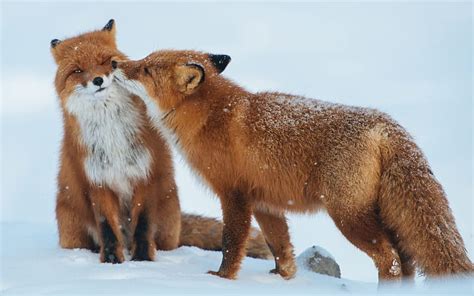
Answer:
(116, 185)
(268, 153)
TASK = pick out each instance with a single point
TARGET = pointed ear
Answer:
(110, 26)
(54, 42)
(220, 61)
(189, 77)
(55, 52)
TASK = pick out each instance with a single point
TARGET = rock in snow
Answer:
(320, 261)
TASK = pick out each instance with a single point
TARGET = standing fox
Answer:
(268, 153)
(116, 185)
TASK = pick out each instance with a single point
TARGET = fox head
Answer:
(167, 78)
(84, 63)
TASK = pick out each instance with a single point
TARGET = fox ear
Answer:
(110, 26)
(55, 52)
(220, 61)
(189, 77)
(54, 42)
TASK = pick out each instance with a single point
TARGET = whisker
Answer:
(167, 114)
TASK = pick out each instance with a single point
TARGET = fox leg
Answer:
(73, 211)
(237, 214)
(72, 229)
(156, 219)
(408, 266)
(143, 246)
(363, 230)
(407, 263)
(74, 217)
(168, 216)
(275, 231)
(106, 209)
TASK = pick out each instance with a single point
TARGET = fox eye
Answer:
(147, 72)
(77, 71)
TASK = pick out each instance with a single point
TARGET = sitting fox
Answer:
(116, 187)
(269, 153)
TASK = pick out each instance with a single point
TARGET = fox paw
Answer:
(222, 275)
(111, 258)
(143, 252)
(95, 249)
(142, 256)
(287, 274)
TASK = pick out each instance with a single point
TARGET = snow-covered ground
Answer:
(34, 265)
(411, 60)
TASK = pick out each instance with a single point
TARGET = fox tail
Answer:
(206, 233)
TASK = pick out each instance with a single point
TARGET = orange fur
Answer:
(269, 153)
(99, 215)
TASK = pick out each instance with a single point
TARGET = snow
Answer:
(33, 264)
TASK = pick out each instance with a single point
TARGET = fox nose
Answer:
(98, 81)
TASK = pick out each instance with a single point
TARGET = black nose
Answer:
(114, 64)
(98, 81)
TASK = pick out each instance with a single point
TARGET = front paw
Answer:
(111, 256)
(222, 274)
(111, 251)
(142, 257)
(144, 252)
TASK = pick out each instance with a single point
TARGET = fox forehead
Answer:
(86, 56)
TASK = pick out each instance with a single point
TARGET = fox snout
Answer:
(94, 84)
(127, 69)
(126, 74)
(120, 65)
(98, 81)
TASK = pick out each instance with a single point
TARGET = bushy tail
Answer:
(414, 205)
(206, 233)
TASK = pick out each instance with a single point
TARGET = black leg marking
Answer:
(95, 249)
(140, 237)
(110, 243)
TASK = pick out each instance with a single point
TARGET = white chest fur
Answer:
(109, 128)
